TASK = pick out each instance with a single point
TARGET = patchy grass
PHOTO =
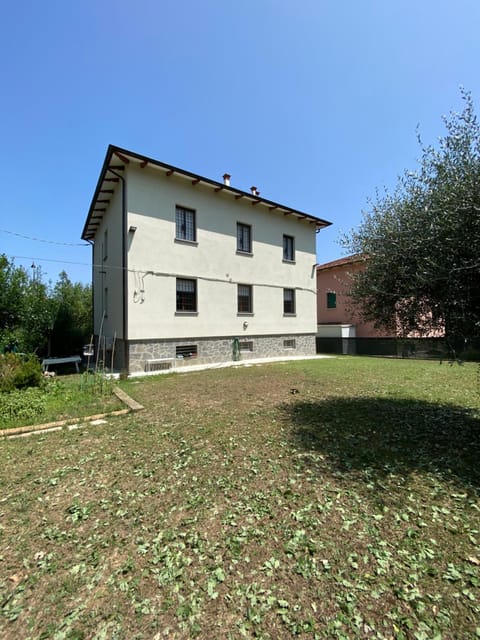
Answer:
(73, 396)
(317, 499)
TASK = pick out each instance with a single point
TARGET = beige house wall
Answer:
(155, 259)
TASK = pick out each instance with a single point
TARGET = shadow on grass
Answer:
(383, 436)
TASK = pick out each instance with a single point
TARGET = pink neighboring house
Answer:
(335, 317)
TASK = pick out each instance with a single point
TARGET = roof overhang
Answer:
(115, 164)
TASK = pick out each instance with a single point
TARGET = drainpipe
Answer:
(124, 269)
(92, 244)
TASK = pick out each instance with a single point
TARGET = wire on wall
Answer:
(142, 273)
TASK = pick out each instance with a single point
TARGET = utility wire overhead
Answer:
(66, 244)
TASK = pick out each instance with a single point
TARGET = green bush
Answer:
(29, 374)
(19, 371)
(22, 404)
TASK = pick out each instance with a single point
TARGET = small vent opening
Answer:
(289, 343)
(162, 364)
(246, 345)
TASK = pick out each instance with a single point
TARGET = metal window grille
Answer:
(289, 301)
(186, 294)
(288, 248)
(244, 298)
(244, 238)
(186, 351)
(246, 345)
(289, 343)
(185, 224)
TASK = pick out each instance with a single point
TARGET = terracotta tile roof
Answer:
(342, 261)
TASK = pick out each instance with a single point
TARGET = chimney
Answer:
(226, 179)
(254, 191)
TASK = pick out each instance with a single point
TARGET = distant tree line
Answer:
(38, 317)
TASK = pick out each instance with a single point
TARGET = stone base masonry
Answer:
(215, 350)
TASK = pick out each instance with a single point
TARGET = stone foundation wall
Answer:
(213, 350)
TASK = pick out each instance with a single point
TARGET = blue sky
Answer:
(314, 102)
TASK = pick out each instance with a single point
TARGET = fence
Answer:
(421, 348)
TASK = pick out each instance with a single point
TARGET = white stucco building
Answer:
(189, 270)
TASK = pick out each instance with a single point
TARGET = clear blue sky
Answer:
(315, 102)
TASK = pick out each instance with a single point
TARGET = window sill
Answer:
(289, 261)
(245, 313)
(289, 315)
(193, 243)
(186, 313)
(249, 254)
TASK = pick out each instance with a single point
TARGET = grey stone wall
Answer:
(213, 350)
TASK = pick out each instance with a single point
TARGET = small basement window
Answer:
(186, 351)
(246, 345)
(289, 343)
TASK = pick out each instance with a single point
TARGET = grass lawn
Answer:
(65, 397)
(318, 499)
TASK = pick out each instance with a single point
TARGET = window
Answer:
(244, 238)
(244, 298)
(185, 224)
(289, 343)
(331, 300)
(289, 248)
(186, 295)
(105, 245)
(246, 345)
(289, 301)
(186, 351)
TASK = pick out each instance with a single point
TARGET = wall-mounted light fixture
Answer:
(245, 324)
(132, 229)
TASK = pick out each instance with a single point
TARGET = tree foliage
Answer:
(73, 321)
(38, 318)
(37, 315)
(13, 281)
(422, 242)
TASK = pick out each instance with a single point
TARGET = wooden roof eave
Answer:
(128, 156)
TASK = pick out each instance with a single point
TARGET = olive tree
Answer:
(422, 241)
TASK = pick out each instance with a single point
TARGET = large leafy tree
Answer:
(422, 242)
(13, 282)
(72, 325)
(36, 318)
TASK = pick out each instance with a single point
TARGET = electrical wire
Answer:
(65, 244)
(83, 264)
(142, 273)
